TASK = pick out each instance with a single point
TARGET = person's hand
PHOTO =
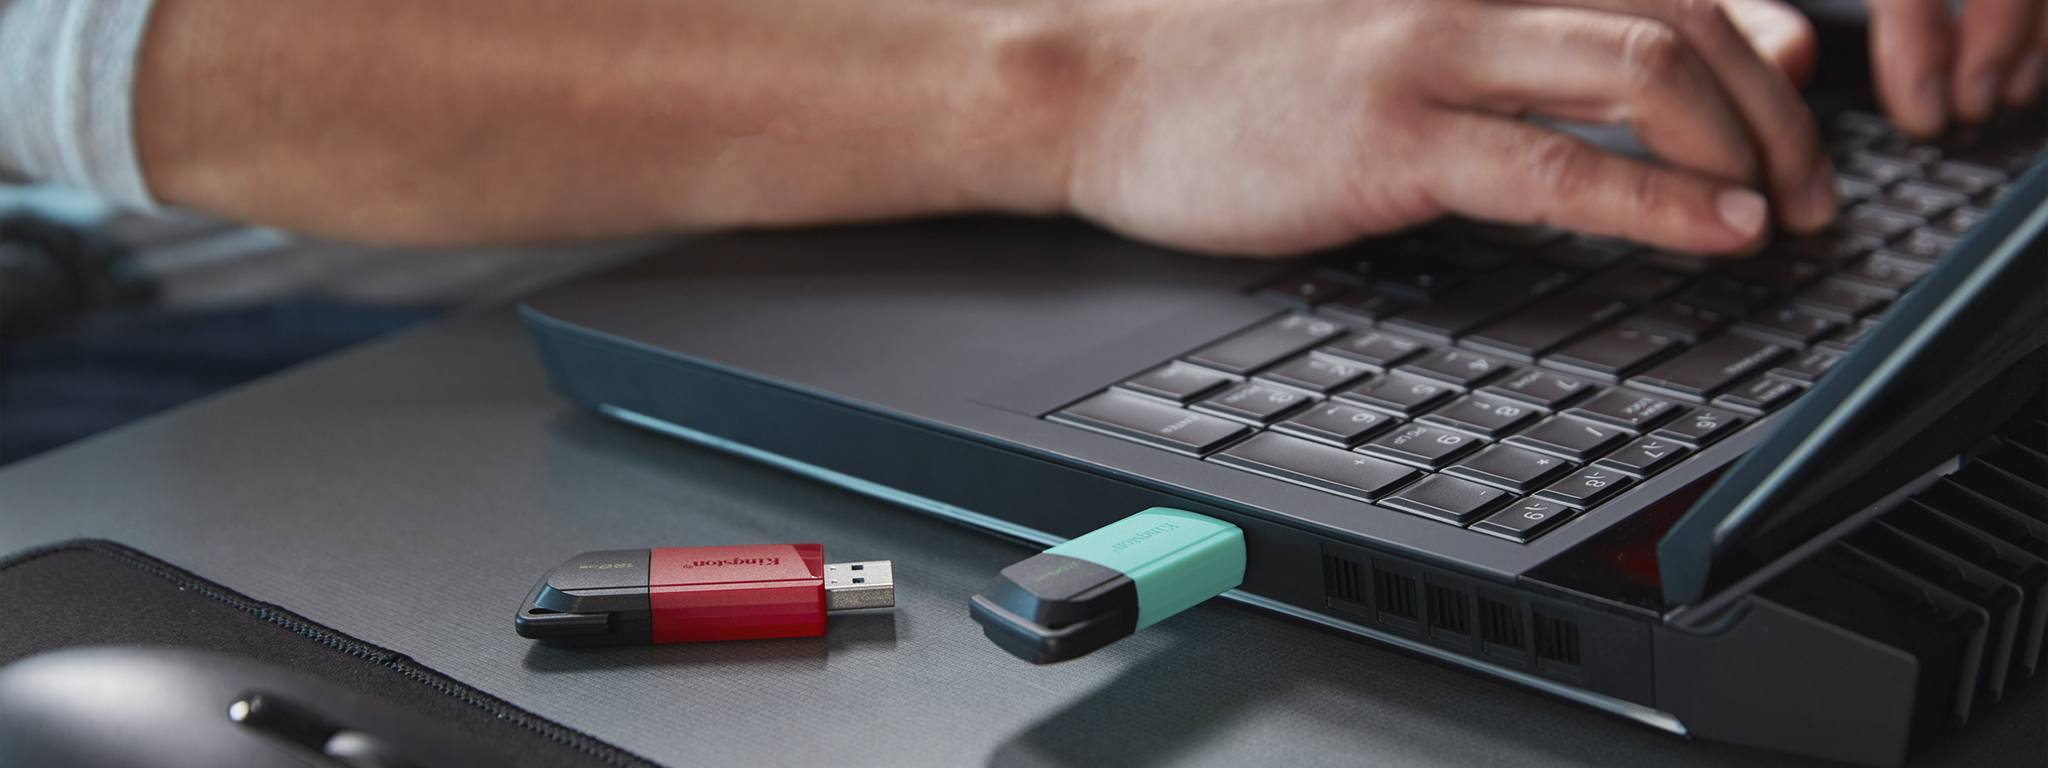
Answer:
(1281, 126)
(1933, 69)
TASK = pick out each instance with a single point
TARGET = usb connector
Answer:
(851, 586)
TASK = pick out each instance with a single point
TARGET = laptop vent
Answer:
(1500, 624)
(1394, 594)
(1344, 580)
(1450, 610)
(1557, 639)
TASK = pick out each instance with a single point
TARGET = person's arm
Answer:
(1221, 125)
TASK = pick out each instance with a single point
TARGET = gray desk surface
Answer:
(411, 491)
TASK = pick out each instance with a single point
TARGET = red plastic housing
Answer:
(698, 594)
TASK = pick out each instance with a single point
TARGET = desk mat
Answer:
(94, 592)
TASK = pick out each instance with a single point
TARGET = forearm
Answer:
(437, 121)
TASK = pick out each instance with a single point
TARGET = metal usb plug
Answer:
(852, 586)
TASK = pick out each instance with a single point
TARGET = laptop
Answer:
(1798, 501)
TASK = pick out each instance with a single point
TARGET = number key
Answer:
(1486, 415)
(1400, 393)
(1423, 446)
(1525, 520)
(1253, 402)
(1645, 456)
(1588, 487)
(1337, 423)
(1701, 427)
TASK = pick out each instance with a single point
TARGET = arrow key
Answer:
(1645, 456)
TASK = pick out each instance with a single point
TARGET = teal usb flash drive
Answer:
(1067, 601)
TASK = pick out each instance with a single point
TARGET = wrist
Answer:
(1041, 77)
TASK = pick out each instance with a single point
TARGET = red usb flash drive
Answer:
(698, 594)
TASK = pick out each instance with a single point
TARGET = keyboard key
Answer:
(1316, 372)
(1761, 395)
(1463, 369)
(1587, 487)
(1399, 393)
(1968, 178)
(1961, 220)
(1708, 368)
(1877, 168)
(1585, 254)
(1178, 382)
(1525, 520)
(1636, 283)
(1337, 423)
(1322, 467)
(1422, 445)
(1547, 390)
(1547, 323)
(1881, 222)
(1254, 402)
(1887, 270)
(1844, 299)
(1701, 427)
(1924, 200)
(1260, 346)
(1726, 295)
(1807, 366)
(1377, 349)
(1633, 410)
(1791, 324)
(1456, 312)
(1828, 249)
(1850, 190)
(1924, 246)
(1778, 276)
(1512, 468)
(1483, 414)
(1646, 456)
(1612, 353)
(1575, 439)
(1847, 337)
(1149, 421)
(1677, 318)
(1304, 292)
(1364, 308)
(1448, 499)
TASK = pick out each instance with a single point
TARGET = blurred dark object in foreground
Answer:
(108, 317)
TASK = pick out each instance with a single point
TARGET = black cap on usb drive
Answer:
(1050, 608)
(596, 598)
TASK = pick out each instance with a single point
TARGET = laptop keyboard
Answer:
(1507, 380)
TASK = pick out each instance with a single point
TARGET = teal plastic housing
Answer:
(1177, 559)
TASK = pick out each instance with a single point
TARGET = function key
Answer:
(1254, 402)
(1634, 410)
(1808, 366)
(1458, 367)
(1376, 348)
(1646, 456)
(1701, 427)
(1575, 439)
(1422, 445)
(1400, 393)
(1337, 423)
(1149, 421)
(1259, 346)
(1334, 470)
(1525, 520)
(1483, 414)
(1316, 372)
(1303, 291)
(1448, 499)
(1546, 390)
(1178, 382)
(1611, 353)
(1512, 468)
(1587, 487)
(1761, 395)
(1703, 370)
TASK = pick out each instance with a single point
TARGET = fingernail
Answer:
(1979, 97)
(1933, 100)
(1743, 210)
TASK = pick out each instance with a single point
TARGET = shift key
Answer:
(1149, 421)
(1712, 366)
